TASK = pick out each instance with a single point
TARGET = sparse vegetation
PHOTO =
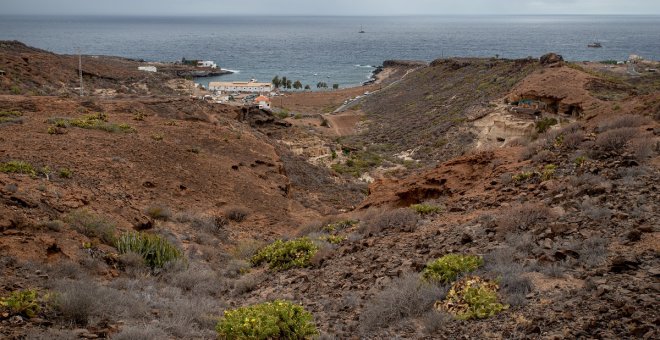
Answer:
(425, 209)
(65, 173)
(271, 320)
(10, 117)
(159, 212)
(22, 302)
(97, 121)
(92, 225)
(545, 124)
(154, 249)
(406, 296)
(283, 255)
(447, 268)
(472, 298)
(236, 214)
(18, 167)
(399, 220)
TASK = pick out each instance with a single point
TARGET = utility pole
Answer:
(80, 72)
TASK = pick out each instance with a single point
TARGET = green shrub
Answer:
(523, 176)
(472, 298)
(448, 267)
(92, 225)
(544, 124)
(65, 173)
(22, 302)
(15, 89)
(283, 255)
(97, 121)
(340, 225)
(425, 209)
(9, 116)
(548, 172)
(155, 250)
(271, 320)
(333, 239)
(18, 167)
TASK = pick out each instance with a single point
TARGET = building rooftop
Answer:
(236, 83)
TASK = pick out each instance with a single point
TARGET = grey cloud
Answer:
(329, 7)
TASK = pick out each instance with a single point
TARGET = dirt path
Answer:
(344, 124)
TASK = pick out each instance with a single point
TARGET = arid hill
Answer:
(507, 199)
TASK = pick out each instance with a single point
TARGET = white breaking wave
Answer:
(366, 66)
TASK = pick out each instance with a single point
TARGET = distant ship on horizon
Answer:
(362, 29)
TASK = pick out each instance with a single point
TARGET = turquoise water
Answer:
(330, 49)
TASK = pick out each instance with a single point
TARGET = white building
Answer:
(148, 68)
(207, 63)
(262, 102)
(241, 86)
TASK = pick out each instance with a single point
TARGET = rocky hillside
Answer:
(171, 218)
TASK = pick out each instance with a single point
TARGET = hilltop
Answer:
(541, 177)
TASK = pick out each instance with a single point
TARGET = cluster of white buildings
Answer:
(241, 87)
(207, 63)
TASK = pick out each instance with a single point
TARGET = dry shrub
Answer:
(543, 156)
(133, 263)
(247, 283)
(643, 148)
(625, 121)
(572, 140)
(407, 296)
(402, 219)
(211, 224)
(527, 216)
(159, 212)
(197, 281)
(594, 211)
(513, 284)
(245, 249)
(615, 140)
(236, 214)
(593, 252)
(144, 332)
(325, 251)
(235, 268)
(77, 301)
(523, 243)
(434, 321)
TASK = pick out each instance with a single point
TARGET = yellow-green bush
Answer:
(340, 225)
(271, 320)
(448, 267)
(22, 302)
(425, 209)
(18, 167)
(97, 121)
(333, 239)
(472, 298)
(155, 250)
(283, 255)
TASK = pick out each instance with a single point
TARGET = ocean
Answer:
(330, 49)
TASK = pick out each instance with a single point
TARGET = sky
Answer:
(327, 7)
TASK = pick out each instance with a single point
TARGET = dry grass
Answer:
(376, 221)
(407, 296)
(524, 217)
(615, 140)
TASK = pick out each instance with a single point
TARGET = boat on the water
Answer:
(595, 45)
(362, 29)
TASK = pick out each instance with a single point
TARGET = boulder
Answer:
(551, 58)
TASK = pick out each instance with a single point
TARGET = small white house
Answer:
(148, 68)
(207, 63)
(262, 102)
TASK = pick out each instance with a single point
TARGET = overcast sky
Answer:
(328, 7)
